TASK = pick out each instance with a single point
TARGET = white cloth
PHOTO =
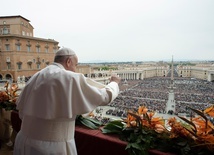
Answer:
(56, 95)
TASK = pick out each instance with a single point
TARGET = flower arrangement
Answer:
(8, 97)
(143, 132)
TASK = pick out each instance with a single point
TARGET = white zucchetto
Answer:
(65, 51)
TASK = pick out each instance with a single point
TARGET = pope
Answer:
(51, 100)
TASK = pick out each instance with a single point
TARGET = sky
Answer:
(123, 30)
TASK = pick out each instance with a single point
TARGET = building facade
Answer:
(22, 54)
(202, 71)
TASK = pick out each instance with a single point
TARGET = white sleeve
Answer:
(112, 87)
(95, 83)
(114, 90)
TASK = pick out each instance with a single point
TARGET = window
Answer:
(30, 65)
(28, 48)
(46, 50)
(38, 62)
(37, 49)
(38, 65)
(54, 50)
(7, 47)
(18, 47)
(29, 62)
(5, 30)
(19, 65)
(8, 65)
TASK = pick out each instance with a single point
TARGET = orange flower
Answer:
(210, 111)
(91, 114)
(147, 118)
(159, 128)
(130, 120)
(142, 110)
(9, 96)
(202, 126)
(157, 120)
(133, 123)
(208, 138)
(3, 97)
(177, 129)
(151, 114)
(199, 129)
(14, 87)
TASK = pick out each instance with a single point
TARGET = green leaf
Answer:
(105, 131)
(89, 124)
(94, 121)
(134, 145)
(113, 127)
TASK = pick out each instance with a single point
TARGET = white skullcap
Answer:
(65, 51)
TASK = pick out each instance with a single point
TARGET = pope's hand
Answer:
(115, 78)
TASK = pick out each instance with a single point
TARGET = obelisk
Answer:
(170, 105)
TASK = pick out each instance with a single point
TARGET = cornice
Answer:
(30, 38)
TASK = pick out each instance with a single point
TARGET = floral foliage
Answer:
(88, 122)
(8, 97)
(144, 132)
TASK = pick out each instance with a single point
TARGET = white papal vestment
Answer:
(48, 106)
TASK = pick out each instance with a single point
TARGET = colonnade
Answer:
(123, 74)
(130, 75)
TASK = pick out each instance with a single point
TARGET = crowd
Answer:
(153, 93)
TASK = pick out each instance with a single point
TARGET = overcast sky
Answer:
(123, 30)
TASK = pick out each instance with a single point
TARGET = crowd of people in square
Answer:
(153, 93)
